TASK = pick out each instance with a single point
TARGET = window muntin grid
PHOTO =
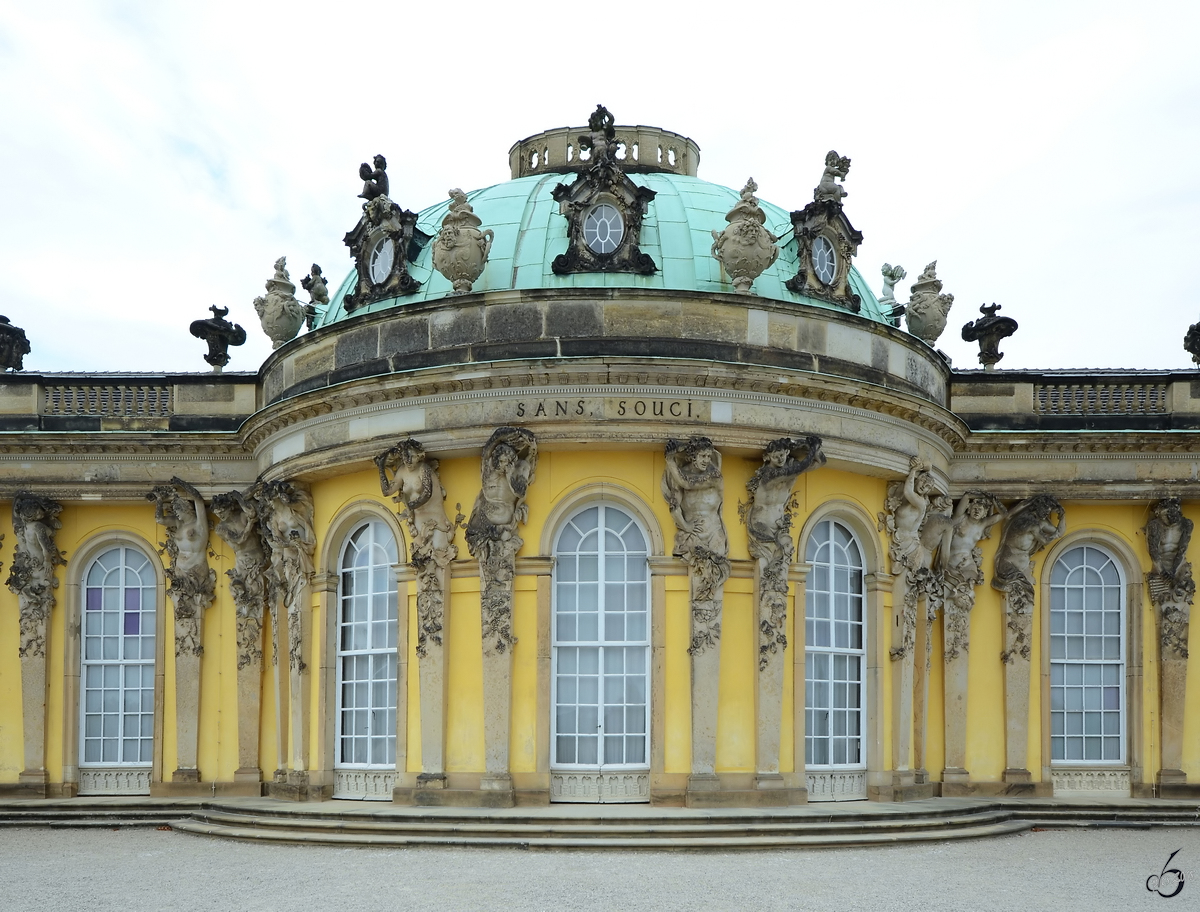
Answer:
(1087, 658)
(835, 657)
(366, 649)
(120, 607)
(601, 642)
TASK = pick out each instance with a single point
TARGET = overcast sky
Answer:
(156, 158)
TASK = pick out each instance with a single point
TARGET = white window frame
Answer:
(812, 649)
(147, 607)
(375, 526)
(644, 642)
(1120, 664)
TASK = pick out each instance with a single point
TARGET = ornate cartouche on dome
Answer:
(603, 208)
(381, 242)
(826, 242)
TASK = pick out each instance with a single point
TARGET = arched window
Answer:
(835, 658)
(1087, 658)
(601, 658)
(120, 609)
(366, 663)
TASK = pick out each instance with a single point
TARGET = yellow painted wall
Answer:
(560, 475)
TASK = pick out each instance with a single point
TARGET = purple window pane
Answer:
(131, 623)
(133, 600)
(93, 600)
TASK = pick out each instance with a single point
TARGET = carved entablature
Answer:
(382, 244)
(603, 209)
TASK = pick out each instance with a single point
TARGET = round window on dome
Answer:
(824, 260)
(383, 255)
(603, 229)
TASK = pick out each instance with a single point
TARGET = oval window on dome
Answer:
(824, 260)
(383, 255)
(603, 229)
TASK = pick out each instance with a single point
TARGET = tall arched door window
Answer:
(365, 759)
(120, 607)
(1087, 658)
(834, 665)
(601, 659)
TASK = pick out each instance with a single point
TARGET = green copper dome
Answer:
(676, 233)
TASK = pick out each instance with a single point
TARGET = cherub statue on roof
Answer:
(376, 179)
(835, 167)
(601, 136)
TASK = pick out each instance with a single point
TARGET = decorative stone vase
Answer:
(280, 314)
(745, 248)
(461, 249)
(928, 308)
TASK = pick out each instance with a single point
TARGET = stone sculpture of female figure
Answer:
(692, 485)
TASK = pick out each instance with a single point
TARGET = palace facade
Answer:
(602, 484)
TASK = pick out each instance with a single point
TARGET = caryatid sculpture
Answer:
(906, 508)
(960, 562)
(1172, 588)
(180, 509)
(31, 577)
(509, 461)
(1027, 531)
(237, 524)
(412, 477)
(693, 487)
(768, 517)
(286, 514)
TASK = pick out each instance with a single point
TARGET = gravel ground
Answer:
(134, 870)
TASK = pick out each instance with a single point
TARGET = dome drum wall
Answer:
(620, 370)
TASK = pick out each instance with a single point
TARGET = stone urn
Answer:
(280, 314)
(745, 248)
(461, 249)
(927, 307)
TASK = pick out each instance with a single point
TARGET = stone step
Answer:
(652, 828)
(458, 838)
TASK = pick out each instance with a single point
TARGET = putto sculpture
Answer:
(460, 250)
(280, 314)
(220, 334)
(411, 478)
(836, 168)
(768, 518)
(376, 179)
(508, 464)
(31, 576)
(887, 298)
(693, 486)
(928, 308)
(318, 293)
(988, 331)
(745, 248)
